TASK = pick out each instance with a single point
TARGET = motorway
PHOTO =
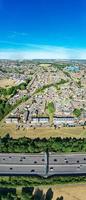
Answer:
(66, 164)
(23, 164)
(43, 164)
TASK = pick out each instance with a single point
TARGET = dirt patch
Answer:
(77, 132)
(69, 192)
(7, 83)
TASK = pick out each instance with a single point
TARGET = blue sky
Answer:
(42, 29)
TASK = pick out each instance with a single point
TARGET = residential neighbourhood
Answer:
(54, 96)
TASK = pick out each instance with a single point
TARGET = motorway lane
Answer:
(42, 164)
(23, 164)
(72, 158)
(66, 169)
(23, 159)
(22, 169)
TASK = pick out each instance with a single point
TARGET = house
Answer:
(39, 120)
(8, 120)
(64, 120)
(12, 119)
(66, 112)
(34, 120)
(43, 120)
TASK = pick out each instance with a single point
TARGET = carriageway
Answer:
(43, 164)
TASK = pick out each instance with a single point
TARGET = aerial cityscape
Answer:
(43, 95)
(42, 100)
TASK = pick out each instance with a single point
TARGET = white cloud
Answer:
(44, 52)
(15, 34)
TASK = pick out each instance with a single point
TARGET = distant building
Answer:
(66, 112)
(12, 119)
(44, 120)
(72, 68)
(34, 120)
(40, 120)
(61, 121)
(8, 120)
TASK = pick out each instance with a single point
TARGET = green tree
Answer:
(77, 112)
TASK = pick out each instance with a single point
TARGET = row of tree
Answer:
(6, 107)
(28, 145)
(13, 90)
(6, 93)
(28, 193)
(31, 181)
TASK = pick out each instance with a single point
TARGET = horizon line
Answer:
(43, 52)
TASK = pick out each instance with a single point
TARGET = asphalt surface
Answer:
(72, 158)
(42, 164)
(23, 164)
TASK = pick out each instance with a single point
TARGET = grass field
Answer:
(44, 65)
(69, 192)
(77, 132)
(7, 83)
